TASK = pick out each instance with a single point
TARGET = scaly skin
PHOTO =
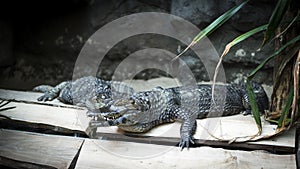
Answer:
(84, 91)
(145, 110)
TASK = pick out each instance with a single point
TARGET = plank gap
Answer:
(39, 128)
(173, 141)
(75, 159)
(48, 103)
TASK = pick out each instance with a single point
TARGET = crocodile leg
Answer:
(187, 130)
(54, 92)
(42, 88)
(188, 126)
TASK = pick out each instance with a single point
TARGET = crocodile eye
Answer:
(132, 101)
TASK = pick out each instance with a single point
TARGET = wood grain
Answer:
(31, 97)
(115, 154)
(66, 118)
(31, 150)
(42, 114)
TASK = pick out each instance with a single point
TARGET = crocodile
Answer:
(143, 111)
(84, 91)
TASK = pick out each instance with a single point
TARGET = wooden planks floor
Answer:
(32, 150)
(42, 135)
(113, 154)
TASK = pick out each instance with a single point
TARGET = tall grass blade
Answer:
(252, 99)
(218, 22)
(248, 34)
(252, 74)
(213, 26)
(275, 20)
(231, 44)
(254, 107)
(234, 42)
(285, 110)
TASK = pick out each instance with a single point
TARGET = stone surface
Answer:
(196, 11)
(42, 46)
(6, 44)
(253, 14)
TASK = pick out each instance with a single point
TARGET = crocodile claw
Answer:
(101, 123)
(47, 97)
(185, 142)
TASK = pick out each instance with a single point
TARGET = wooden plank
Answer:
(115, 154)
(31, 150)
(68, 121)
(210, 132)
(31, 97)
(59, 117)
(227, 128)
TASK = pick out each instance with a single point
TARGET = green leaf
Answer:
(253, 104)
(218, 22)
(241, 38)
(248, 34)
(287, 121)
(213, 26)
(275, 20)
(285, 110)
(252, 74)
(232, 43)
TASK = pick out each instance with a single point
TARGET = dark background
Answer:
(40, 40)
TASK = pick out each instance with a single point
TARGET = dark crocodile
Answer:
(145, 110)
(84, 91)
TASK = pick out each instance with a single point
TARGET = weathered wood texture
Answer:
(115, 154)
(210, 131)
(30, 97)
(30, 150)
(61, 119)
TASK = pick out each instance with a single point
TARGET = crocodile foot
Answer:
(101, 123)
(47, 97)
(185, 142)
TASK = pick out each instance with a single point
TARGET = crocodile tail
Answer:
(42, 88)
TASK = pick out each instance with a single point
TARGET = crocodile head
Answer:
(112, 110)
(125, 111)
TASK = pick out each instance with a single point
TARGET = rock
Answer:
(43, 46)
(196, 11)
(203, 12)
(6, 44)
